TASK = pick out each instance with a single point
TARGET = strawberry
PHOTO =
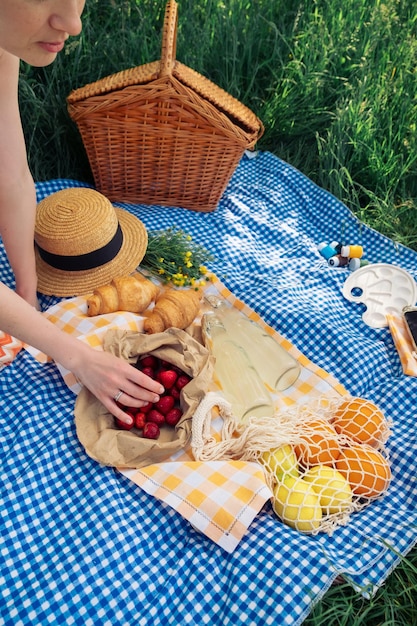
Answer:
(130, 411)
(173, 416)
(165, 404)
(151, 431)
(140, 419)
(182, 381)
(123, 425)
(175, 393)
(149, 371)
(167, 378)
(156, 417)
(149, 361)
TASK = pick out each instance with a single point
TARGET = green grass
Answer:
(335, 85)
(394, 604)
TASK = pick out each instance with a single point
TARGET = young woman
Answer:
(35, 31)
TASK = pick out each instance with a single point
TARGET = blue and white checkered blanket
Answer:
(80, 543)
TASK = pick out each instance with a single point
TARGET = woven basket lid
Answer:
(169, 67)
(145, 74)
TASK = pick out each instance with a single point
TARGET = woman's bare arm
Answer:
(17, 189)
(102, 373)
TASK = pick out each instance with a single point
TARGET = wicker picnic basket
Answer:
(161, 133)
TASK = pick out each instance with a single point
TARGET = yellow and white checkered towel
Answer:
(219, 498)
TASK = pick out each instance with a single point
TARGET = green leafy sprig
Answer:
(175, 258)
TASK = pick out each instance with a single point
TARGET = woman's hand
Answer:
(106, 375)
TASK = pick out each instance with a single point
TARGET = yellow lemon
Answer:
(297, 504)
(332, 488)
(281, 461)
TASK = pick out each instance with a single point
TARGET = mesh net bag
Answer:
(323, 461)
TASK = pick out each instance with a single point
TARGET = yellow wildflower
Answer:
(171, 255)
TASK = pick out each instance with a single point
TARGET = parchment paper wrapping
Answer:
(95, 426)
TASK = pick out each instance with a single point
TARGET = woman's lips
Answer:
(54, 47)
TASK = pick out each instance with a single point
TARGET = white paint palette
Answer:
(382, 288)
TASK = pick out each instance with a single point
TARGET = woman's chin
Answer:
(39, 58)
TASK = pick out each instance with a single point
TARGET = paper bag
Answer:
(95, 426)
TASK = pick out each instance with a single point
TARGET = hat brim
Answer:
(55, 282)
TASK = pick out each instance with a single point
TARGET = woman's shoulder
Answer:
(9, 78)
(9, 65)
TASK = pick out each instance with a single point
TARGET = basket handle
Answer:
(169, 38)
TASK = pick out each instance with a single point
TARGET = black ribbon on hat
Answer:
(87, 261)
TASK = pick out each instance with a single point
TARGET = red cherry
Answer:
(147, 407)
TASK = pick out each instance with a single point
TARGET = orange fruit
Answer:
(362, 421)
(366, 470)
(318, 445)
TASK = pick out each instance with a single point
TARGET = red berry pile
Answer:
(167, 411)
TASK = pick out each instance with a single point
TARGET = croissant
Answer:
(173, 309)
(128, 293)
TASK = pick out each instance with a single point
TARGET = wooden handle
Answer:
(169, 38)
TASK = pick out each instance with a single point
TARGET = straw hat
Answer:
(83, 242)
